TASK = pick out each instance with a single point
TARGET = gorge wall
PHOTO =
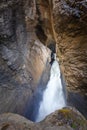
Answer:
(70, 24)
(64, 24)
(23, 57)
(27, 28)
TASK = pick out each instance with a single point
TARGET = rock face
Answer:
(65, 23)
(23, 57)
(70, 30)
(70, 24)
(24, 26)
(65, 119)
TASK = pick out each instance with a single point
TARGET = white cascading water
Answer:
(53, 96)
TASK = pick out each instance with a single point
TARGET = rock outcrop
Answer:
(70, 24)
(65, 119)
(64, 23)
(23, 57)
(70, 30)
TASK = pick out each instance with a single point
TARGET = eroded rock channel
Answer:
(31, 31)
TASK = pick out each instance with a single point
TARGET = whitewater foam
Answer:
(53, 96)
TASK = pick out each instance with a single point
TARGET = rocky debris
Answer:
(65, 119)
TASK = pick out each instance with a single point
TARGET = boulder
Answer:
(64, 119)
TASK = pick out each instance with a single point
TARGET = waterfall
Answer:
(53, 96)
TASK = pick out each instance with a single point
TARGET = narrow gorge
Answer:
(43, 65)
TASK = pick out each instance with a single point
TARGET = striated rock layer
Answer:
(70, 25)
(70, 30)
(23, 57)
